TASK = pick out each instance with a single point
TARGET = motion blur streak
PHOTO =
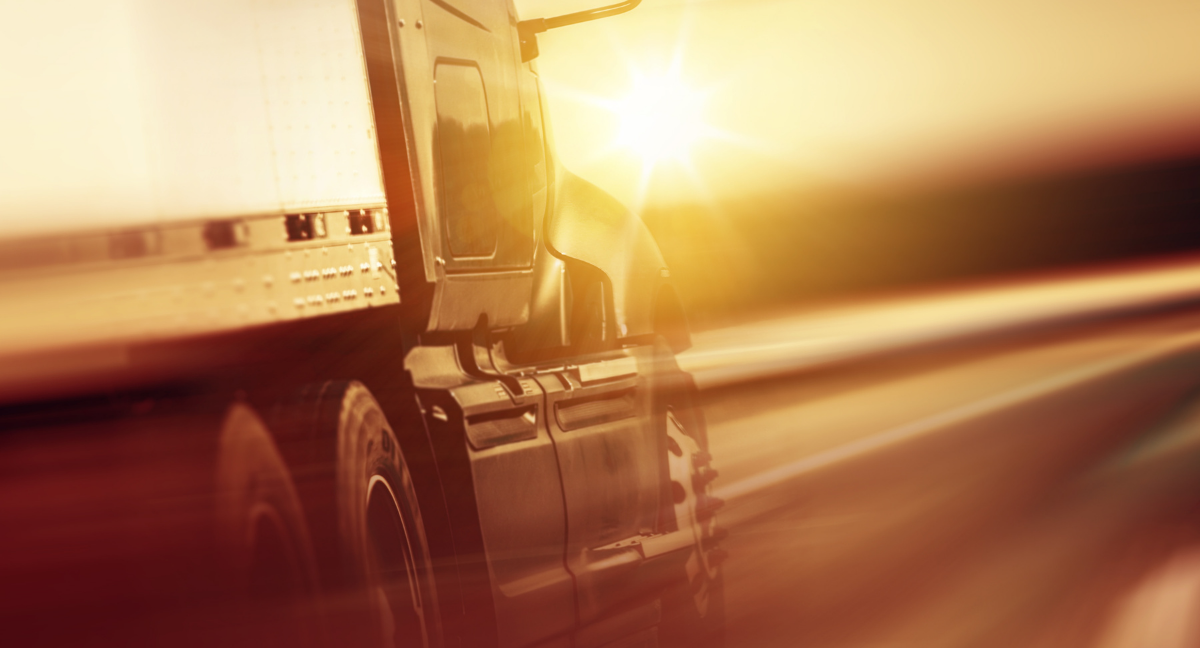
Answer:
(961, 414)
(1008, 490)
(862, 327)
(1162, 610)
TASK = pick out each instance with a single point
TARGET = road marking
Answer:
(962, 413)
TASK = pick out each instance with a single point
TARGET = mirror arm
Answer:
(528, 30)
(539, 25)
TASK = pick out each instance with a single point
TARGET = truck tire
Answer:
(267, 554)
(174, 523)
(366, 520)
(694, 607)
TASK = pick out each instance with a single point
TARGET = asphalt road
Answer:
(1036, 490)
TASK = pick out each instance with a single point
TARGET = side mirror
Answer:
(527, 30)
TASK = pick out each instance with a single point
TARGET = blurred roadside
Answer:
(760, 257)
(852, 330)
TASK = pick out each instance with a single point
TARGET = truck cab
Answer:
(425, 375)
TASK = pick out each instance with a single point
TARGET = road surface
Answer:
(1015, 490)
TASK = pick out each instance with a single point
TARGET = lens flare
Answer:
(661, 119)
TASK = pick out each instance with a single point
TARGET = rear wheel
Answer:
(159, 523)
(267, 552)
(366, 519)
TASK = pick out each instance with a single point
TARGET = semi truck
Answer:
(308, 338)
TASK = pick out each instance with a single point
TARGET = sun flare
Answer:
(661, 119)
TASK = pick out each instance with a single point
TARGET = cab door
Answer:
(604, 419)
(466, 142)
(459, 61)
(485, 202)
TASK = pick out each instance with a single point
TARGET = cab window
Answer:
(465, 146)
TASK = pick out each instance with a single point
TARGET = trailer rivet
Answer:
(420, 24)
(400, 22)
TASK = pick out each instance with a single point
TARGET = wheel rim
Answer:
(695, 507)
(394, 581)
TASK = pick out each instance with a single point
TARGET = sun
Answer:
(661, 119)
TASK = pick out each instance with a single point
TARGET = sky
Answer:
(781, 95)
